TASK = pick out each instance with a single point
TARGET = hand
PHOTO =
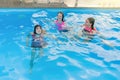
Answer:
(27, 44)
(27, 41)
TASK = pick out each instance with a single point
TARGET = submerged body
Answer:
(61, 26)
(37, 41)
(60, 23)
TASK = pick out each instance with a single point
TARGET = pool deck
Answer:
(20, 4)
(55, 4)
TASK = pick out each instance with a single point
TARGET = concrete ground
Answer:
(59, 3)
(28, 4)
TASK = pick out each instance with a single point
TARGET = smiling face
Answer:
(38, 30)
(90, 22)
(87, 23)
(60, 16)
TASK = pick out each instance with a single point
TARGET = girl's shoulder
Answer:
(56, 21)
(95, 29)
(31, 33)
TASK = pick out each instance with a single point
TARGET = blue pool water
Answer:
(69, 60)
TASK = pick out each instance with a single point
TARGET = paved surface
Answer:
(18, 4)
(67, 3)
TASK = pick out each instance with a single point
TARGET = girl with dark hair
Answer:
(60, 24)
(37, 43)
(37, 37)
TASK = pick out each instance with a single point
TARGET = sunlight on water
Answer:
(63, 60)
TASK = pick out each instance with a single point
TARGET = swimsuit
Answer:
(37, 41)
(88, 29)
(60, 26)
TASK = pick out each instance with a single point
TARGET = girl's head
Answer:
(60, 16)
(37, 29)
(90, 22)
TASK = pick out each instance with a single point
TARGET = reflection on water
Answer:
(64, 60)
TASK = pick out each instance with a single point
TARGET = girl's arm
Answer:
(103, 38)
(27, 41)
(27, 38)
(43, 32)
(101, 35)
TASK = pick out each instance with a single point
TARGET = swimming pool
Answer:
(69, 60)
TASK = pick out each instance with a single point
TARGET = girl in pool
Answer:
(89, 31)
(88, 28)
(61, 27)
(60, 24)
(37, 42)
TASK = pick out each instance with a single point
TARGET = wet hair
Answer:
(92, 21)
(36, 27)
(62, 15)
